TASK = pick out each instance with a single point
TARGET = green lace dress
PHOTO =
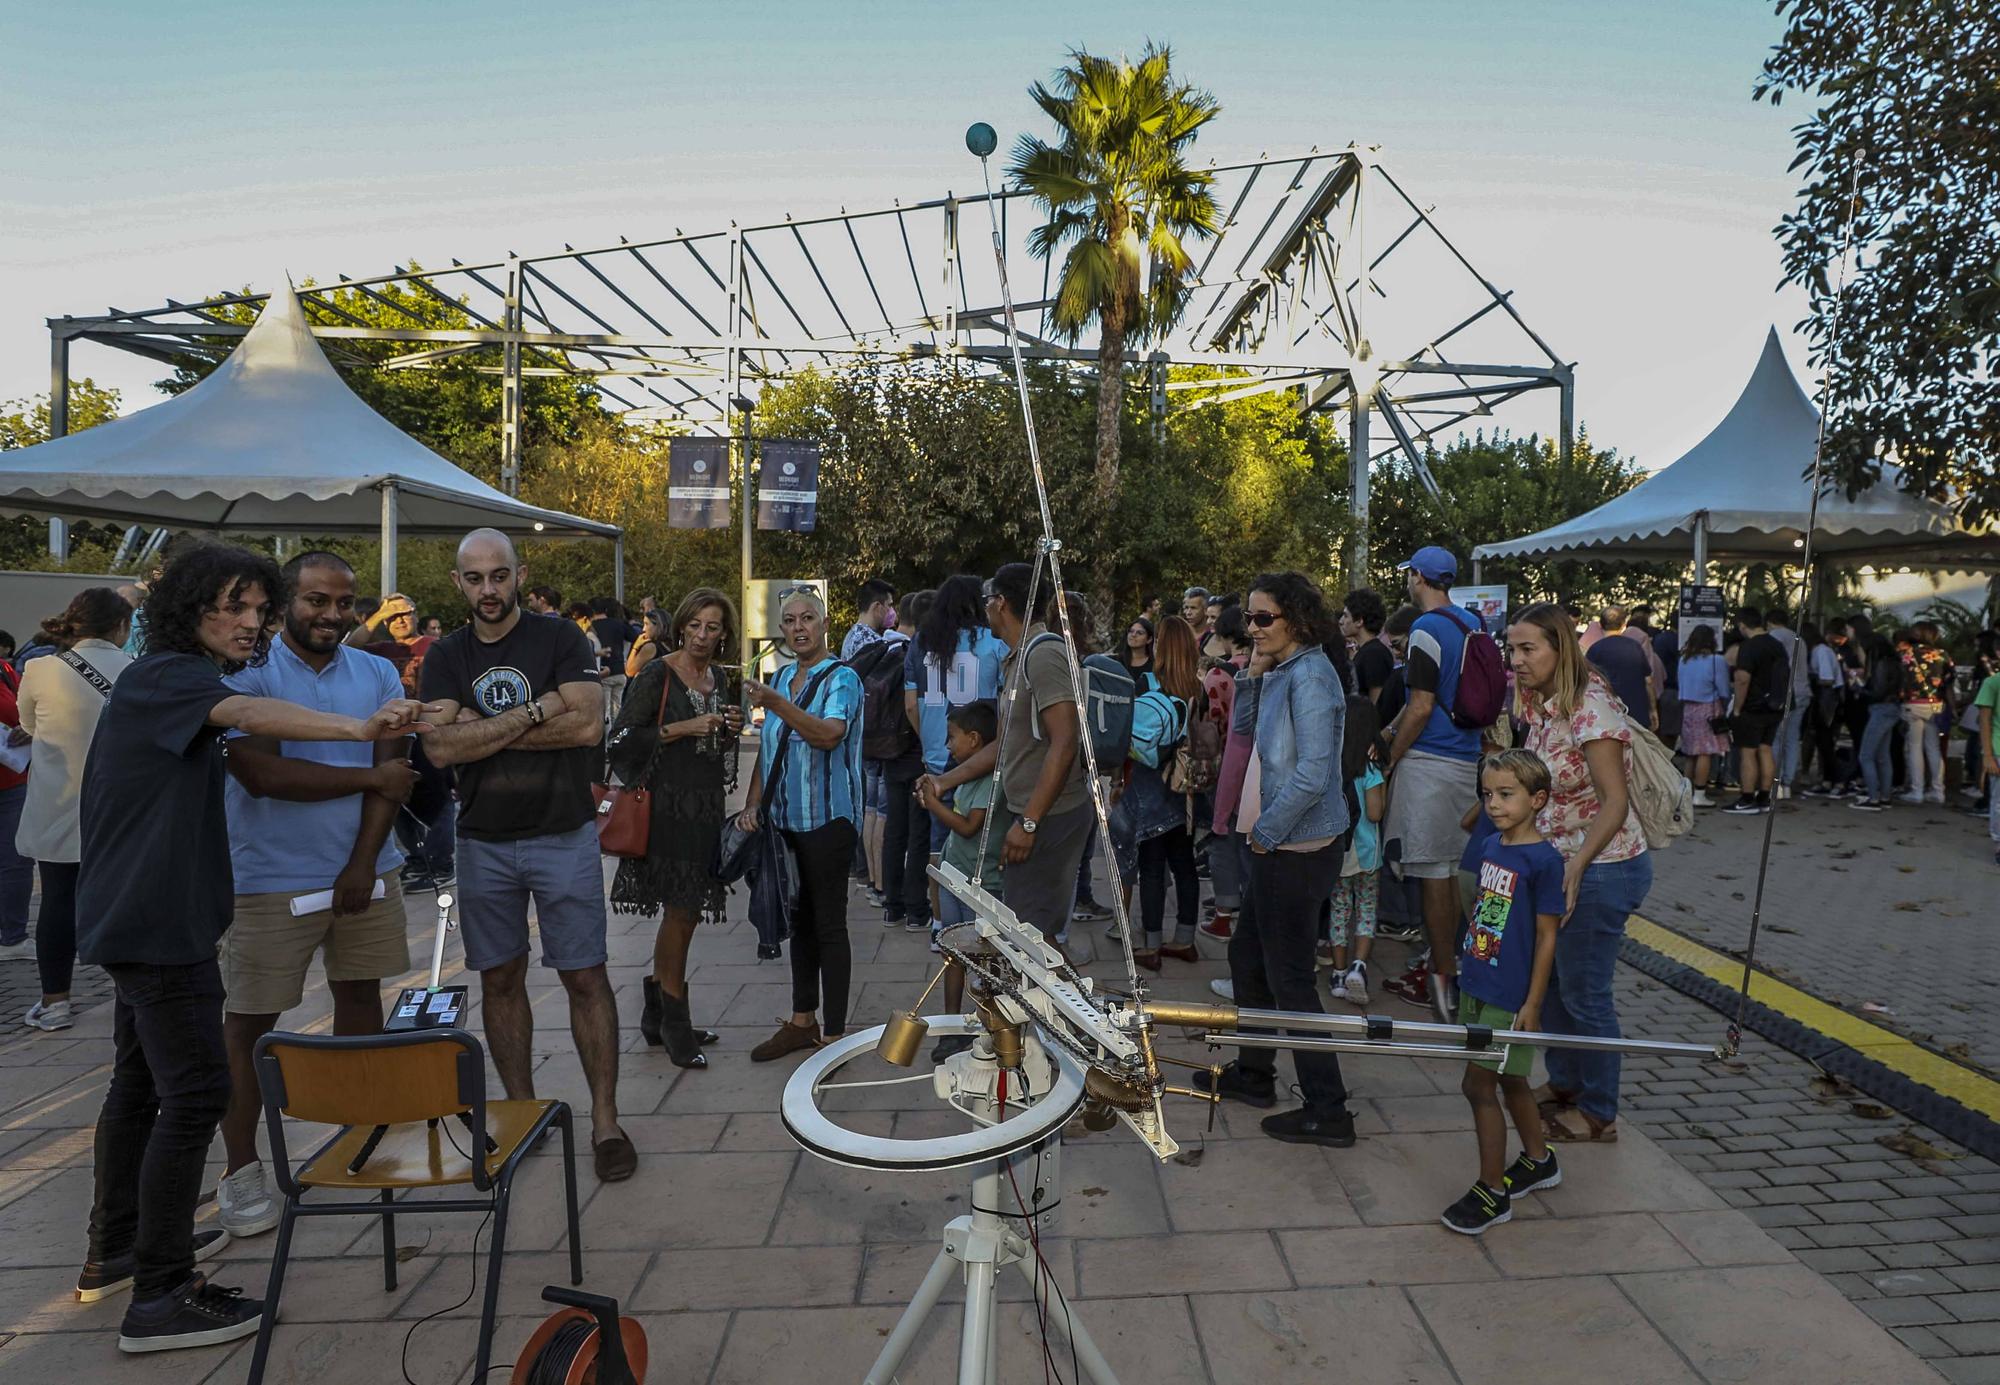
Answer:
(688, 778)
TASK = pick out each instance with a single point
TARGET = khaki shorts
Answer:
(266, 952)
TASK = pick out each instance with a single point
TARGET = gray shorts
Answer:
(1428, 799)
(1042, 889)
(563, 873)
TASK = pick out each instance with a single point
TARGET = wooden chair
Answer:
(411, 1108)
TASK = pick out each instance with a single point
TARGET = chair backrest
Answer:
(369, 1080)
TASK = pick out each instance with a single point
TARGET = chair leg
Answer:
(569, 1192)
(492, 1304)
(388, 1240)
(272, 1289)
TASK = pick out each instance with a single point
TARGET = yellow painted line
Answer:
(1970, 1089)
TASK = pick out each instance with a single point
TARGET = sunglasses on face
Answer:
(1263, 620)
(989, 592)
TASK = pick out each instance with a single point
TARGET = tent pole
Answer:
(1357, 462)
(58, 426)
(618, 568)
(510, 382)
(1701, 548)
(1478, 578)
(388, 537)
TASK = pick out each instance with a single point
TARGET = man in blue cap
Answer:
(1434, 772)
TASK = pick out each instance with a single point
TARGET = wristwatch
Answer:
(1028, 826)
(535, 712)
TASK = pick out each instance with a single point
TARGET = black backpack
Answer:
(886, 733)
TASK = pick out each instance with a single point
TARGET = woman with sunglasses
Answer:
(1292, 816)
(813, 717)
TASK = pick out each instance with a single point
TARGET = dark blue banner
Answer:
(788, 485)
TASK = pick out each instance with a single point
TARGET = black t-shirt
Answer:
(1763, 658)
(155, 884)
(517, 793)
(612, 636)
(1373, 663)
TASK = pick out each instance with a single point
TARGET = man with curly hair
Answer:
(155, 895)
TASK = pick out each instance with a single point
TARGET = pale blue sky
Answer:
(1603, 160)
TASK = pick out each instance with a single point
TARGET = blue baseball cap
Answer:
(1433, 564)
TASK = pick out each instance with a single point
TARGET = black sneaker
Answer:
(1480, 1208)
(1525, 1176)
(1088, 910)
(1745, 806)
(198, 1314)
(113, 1275)
(1867, 805)
(418, 882)
(1306, 1126)
(1238, 1085)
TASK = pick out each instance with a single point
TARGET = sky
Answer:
(1603, 161)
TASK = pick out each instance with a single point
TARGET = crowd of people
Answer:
(1334, 772)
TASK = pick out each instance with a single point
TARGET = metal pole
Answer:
(510, 383)
(389, 519)
(732, 386)
(618, 568)
(1701, 548)
(1567, 424)
(58, 383)
(1357, 462)
(1377, 1028)
(1478, 576)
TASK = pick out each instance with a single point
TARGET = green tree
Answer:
(1501, 487)
(1123, 203)
(1904, 144)
(24, 538)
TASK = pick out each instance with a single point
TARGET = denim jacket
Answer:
(1297, 716)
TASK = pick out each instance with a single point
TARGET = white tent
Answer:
(1741, 495)
(273, 442)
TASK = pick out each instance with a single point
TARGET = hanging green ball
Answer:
(981, 139)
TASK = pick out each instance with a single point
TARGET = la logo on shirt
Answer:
(1489, 915)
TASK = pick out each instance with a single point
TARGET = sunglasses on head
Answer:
(790, 592)
(1263, 620)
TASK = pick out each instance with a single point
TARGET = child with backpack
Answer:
(1362, 754)
(1159, 793)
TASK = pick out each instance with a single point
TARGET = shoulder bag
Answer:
(87, 673)
(772, 874)
(625, 811)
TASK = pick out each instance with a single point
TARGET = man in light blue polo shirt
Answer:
(307, 817)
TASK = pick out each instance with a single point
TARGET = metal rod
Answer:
(1355, 1046)
(1359, 1025)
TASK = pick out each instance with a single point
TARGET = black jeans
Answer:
(821, 954)
(906, 849)
(169, 1087)
(55, 930)
(1271, 957)
(1170, 851)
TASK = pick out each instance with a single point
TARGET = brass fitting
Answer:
(1187, 1014)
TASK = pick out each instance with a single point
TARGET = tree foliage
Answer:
(24, 538)
(1123, 205)
(1905, 142)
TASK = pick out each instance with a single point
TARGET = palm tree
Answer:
(1123, 200)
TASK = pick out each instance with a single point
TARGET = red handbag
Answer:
(625, 811)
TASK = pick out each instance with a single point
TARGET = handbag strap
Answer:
(88, 674)
(775, 780)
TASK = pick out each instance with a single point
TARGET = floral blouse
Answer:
(1574, 802)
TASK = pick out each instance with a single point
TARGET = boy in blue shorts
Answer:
(1503, 973)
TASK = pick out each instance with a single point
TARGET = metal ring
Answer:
(818, 1134)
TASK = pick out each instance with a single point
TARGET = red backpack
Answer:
(1482, 677)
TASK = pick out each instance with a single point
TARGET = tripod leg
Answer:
(883, 1372)
(975, 1342)
(1095, 1367)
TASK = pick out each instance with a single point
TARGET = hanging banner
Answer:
(1702, 606)
(698, 483)
(1487, 603)
(788, 485)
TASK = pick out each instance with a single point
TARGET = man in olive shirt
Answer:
(1041, 770)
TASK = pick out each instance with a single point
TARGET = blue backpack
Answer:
(1107, 707)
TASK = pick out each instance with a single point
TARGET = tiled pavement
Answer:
(743, 1256)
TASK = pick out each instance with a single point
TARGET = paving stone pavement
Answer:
(747, 1260)
(1859, 907)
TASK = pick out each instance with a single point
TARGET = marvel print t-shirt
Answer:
(517, 793)
(1515, 884)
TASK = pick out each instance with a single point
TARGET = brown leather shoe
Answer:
(614, 1158)
(790, 1038)
(1180, 952)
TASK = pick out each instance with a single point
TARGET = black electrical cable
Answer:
(470, 1289)
(552, 1363)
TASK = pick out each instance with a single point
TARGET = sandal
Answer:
(1595, 1132)
(1552, 1100)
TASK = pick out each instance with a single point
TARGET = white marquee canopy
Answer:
(1741, 495)
(273, 442)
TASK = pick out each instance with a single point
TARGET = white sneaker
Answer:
(13, 952)
(1357, 984)
(243, 1204)
(49, 1015)
(1337, 984)
(1784, 791)
(1702, 800)
(1223, 987)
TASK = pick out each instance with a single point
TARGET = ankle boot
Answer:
(705, 1036)
(683, 1047)
(649, 1016)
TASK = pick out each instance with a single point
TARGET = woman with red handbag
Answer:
(675, 741)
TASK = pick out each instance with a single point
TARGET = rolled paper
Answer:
(319, 901)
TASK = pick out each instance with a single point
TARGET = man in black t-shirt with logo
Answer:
(524, 717)
(1762, 674)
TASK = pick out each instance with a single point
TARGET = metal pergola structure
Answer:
(1322, 255)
